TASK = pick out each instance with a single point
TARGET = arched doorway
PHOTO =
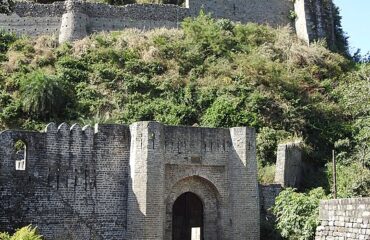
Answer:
(187, 217)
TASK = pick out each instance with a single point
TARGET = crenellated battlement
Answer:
(75, 19)
(110, 181)
(68, 170)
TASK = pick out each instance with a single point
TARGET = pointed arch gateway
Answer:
(187, 217)
(193, 210)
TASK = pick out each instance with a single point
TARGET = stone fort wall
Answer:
(217, 164)
(120, 182)
(74, 185)
(344, 219)
(75, 19)
(289, 165)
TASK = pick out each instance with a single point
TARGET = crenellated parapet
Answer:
(121, 182)
(74, 180)
(75, 19)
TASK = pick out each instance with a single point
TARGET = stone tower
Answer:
(74, 22)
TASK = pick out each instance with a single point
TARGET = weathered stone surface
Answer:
(344, 219)
(289, 165)
(120, 182)
(268, 194)
(76, 19)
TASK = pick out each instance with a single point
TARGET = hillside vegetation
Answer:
(212, 73)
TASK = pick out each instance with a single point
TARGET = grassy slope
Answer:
(210, 73)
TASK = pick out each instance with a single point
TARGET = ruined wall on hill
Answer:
(74, 20)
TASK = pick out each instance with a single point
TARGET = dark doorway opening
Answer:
(187, 217)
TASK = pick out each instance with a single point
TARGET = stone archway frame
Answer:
(210, 197)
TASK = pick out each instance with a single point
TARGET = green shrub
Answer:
(23, 45)
(209, 36)
(297, 213)
(11, 111)
(25, 233)
(71, 69)
(171, 112)
(44, 96)
(6, 39)
(355, 99)
(266, 174)
(267, 142)
(88, 97)
(353, 180)
(227, 111)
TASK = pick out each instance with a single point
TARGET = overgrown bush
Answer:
(225, 112)
(297, 213)
(44, 96)
(267, 142)
(354, 97)
(266, 173)
(25, 233)
(353, 180)
(6, 39)
(211, 73)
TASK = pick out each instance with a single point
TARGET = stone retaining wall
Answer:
(268, 194)
(347, 219)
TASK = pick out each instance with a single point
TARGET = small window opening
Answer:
(21, 155)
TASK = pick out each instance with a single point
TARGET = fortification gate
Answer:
(137, 182)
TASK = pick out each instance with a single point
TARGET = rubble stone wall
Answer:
(76, 19)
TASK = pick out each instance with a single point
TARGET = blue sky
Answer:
(356, 23)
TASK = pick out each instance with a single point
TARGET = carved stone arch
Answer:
(210, 197)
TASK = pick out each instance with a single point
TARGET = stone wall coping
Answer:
(52, 127)
(272, 185)
(345, 201)
(31, 9)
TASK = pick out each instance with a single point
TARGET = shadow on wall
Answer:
(112, 182)
(214, 164)
(210, 197)
(64, 189)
